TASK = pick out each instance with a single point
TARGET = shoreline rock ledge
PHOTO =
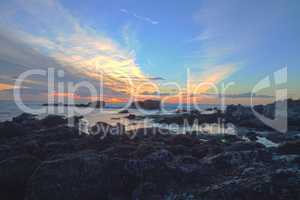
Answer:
(44, 159)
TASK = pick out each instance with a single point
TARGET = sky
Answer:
(151, 49)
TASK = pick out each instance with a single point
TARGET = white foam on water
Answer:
(267, 143)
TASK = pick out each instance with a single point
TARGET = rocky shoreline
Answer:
(47, 159)
(239, 115)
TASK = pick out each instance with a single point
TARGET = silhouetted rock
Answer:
(147, 104)
(123, 111)
(131, 116)
(95, 104)
(54, 120)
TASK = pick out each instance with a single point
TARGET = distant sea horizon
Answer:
(9, 109)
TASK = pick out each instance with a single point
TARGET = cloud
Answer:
(40, 41)
(241, 95)
(5, 86)
(200, 82)
(158, 94)
(217, 47)
(156, 78)
(139, 17)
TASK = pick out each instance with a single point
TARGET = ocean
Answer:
(9, 109)
(110, 114)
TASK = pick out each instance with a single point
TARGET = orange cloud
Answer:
(5, 86)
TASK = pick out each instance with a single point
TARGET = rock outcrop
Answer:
(147, 104)
(46, 159)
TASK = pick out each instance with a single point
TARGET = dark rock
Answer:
(228, 161)
(147, 105)
(291, 147)
(101, 128)
(244, 146)
(72, 177)
(278, 185)
(153, 168)
(54, 120)
(12, 129)
(120, 151)
(124, 111)
(14, 175)
(144, 150)
(147, 191)
(146, 133)
(147, 163)
(182, 139)
(131, 116)
(24, 117)
(252, 136)
(83, 175)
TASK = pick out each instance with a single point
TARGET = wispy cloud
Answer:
(214, 55)
(5, 86)
(61, 42)
(240, 95)
(139, 17)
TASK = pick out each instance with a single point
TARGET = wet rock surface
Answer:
(239, 115)
(46, 159)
